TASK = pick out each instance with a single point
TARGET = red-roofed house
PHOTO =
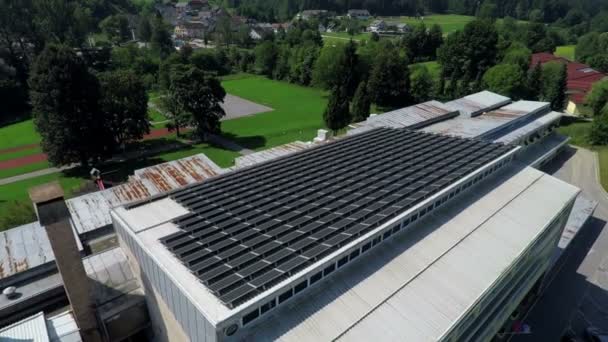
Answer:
(581, 78)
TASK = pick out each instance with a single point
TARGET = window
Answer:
(329, 269)
(285, 295)
(366, 247)
(251, 316)
(301, 286)
(376, 241)
(354, 254)
(396, 228)
(406, 222)
(342, 261)
(266, 307)
(386, 234)
(316, 277)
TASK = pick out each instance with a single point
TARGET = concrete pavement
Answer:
(570, 302)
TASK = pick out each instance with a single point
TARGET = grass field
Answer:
(297, 112)
(578, 131)
(566, 51)
(448, 22)
(22, 133)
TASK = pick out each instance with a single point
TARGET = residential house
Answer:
(377, 26)
(403, 28)
(361, 14)
(309, 14)
(258, 31)
(581, 78)
(278, 26)
(198, 5)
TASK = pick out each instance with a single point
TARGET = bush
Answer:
(599, 130)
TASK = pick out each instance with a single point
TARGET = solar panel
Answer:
(250, 229)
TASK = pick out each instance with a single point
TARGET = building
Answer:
(284, 248)
(581, 78)
(403, 28)
(361, 14)
(377, 26)
(310, 14)
(421, 224)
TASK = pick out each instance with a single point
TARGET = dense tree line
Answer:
(569, 11)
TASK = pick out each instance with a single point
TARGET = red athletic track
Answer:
(18, 148)
(40, 157)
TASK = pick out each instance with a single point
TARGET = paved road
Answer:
(569, 301)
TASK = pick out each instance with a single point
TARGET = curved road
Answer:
(574, 298)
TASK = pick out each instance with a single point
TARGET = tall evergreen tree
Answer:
(161, 38)
(337, 114)
(144, 29)
(65, 98)
(389, 81)
(554, 83)
(534, 84)
(361, 103)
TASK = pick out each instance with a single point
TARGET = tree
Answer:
(266, 58)
(598, 135)
(598, 97)
(361, 103)
(469, 53)
(161, 38)
(554, 79)
(337, 114)
(421, 84)
(124, 106)
(591, 45)
(198, 94)
(116, 28)
(389, 81)
(178, 118)
(519, 56)
(144, 29)
(506, 79)
(599, 62)
(65, 99)
(534, 84)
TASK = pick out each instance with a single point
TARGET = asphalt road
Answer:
(578, 295)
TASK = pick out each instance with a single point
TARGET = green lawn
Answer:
(578, 131)
(22, 133)
(155, 115)
(15, 171)
(566, 51)
(344, 37)
(448, 22)
(297, 113)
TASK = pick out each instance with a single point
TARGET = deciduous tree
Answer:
(199, 95)
(389, 80)
(124, 106)
(506, 79)
(598, 97)
(554, 78)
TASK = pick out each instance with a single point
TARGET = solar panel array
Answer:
(250, 229)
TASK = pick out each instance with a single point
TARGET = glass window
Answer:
(329, 269)
(316, 277)
(285, 295)
(301, 286)
(343, 261)
(251, 316)
(266, 307)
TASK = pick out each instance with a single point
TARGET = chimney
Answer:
(53, 214)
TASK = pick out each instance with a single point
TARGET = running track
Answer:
(41, 157)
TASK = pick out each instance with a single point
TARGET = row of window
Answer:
(289, 293)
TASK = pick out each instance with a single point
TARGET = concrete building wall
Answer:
(482, 322)
(173, 316)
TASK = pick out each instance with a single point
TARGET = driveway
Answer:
(575, 297)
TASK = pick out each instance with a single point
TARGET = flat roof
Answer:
(529, 128)
(271, 153)
(413, 117)
(92, 211)
(32, 328)
(420, 284)
(26, 248)
(250, 230)
(490, 122)
(478, 103)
